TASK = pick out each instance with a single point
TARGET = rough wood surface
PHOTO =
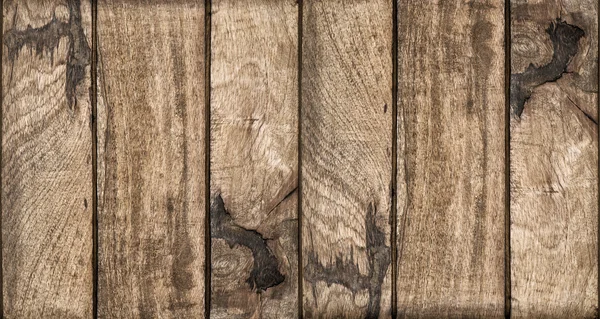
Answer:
(451, 125)
(254, 159)
(554, 159)
(46, 160)
(151, 159)
(346, 146)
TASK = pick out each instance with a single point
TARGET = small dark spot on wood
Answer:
(469, 105)
(85, 203)
(265, 271)
(565, 38)
(183, 305)
(47, 38)
(385, 108)
(170, 207)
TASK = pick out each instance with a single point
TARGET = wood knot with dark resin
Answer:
(346, 273)
(565, 38)
(46, 39)
(265, 271)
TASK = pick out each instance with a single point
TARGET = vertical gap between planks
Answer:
(598, 166)
(507, 70)
(300, 260)
(1, 158)
(401, 221)
(394, 189)
(94, 129)
(207, 238)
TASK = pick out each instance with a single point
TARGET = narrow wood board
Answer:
(46, 160)
(254, 159)
(346, 147)
(554, 159)
(451, 145)
(151, 211)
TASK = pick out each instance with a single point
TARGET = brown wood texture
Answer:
(348, 158)
(254, 159)
(346, 164)
(554, 159)
(151, 175)
(46, 160)
(451, 127)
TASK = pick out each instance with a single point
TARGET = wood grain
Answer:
(451, 124)
(554, 159)
(254, 159)
(151, 175)
(46, 160)
(346, 145)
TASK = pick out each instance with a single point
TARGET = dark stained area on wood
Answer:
(348, 275)
(265, 271)
(47, 37)
(564, 39)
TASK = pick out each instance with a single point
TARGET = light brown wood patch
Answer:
(554, 159)
(451, 161)
(46, 160)
(254, 159)
(151, 176)
(346, 144)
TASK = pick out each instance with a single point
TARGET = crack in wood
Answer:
(588, 116)
(347, 274)
(265, 271)
(47, 38)
(565, 38)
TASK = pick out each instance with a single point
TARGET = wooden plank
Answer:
(46, 160)
(451, 145)
(346, 148)
(554, 159)
(151, 176)
(254, 159)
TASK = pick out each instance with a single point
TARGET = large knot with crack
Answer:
(565, 38)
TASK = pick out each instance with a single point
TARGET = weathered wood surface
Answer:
(451, 125)
(315, 139)
(151, 172)
(554, 159)
(254, 159)
(346, 146)
(46, 160)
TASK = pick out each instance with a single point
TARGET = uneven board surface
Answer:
(299, 158)
(451, 159)
(151, 159)
(46, 160)
(254, 159)
(346, 141)
(554, 159)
